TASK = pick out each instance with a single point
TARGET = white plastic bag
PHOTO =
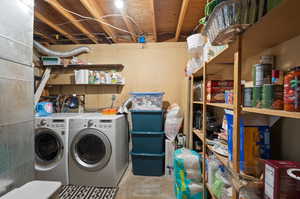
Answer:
(173, 121)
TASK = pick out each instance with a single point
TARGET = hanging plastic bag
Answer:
(173, 121)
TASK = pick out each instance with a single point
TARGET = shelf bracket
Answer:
(45, 78)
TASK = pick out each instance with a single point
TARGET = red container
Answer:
(219, 83)
(278, 184)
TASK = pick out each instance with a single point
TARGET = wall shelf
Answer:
(221, 105)
(71, 67)
(52, 85)
(197, 102)
(272, 112)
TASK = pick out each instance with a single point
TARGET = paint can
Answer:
(254, 75)
(257, 96)
(277, 97)
(248, 97)
(267, 96)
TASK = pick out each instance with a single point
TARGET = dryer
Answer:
(51, 147)
(98, 150)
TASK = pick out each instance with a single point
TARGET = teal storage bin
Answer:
(146, 164)
(148, 142)
(147, 121)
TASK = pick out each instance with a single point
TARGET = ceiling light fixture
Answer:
(119, 4)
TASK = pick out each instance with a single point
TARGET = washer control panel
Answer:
(50, 123)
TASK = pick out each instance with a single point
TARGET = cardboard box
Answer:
(278, 184)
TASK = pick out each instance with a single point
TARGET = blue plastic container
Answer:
(147, 121)
(146, 164)
(148, 142)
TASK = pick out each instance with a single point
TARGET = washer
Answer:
(51, 147)
(98, 150)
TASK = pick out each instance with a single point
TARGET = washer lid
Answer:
(48, 148)
(91, 149)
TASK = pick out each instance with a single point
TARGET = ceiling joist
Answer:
(152, 2)
(184, 6)
(58, 7)
(51, 40)
(97, 13)
(42, 18)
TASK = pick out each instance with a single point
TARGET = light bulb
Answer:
(119, 4)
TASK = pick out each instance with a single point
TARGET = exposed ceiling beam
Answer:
(152, 6)
(129, 26)
(42, 18)
(58, 7)
(184, 6)
(96, 11)
(52, 41)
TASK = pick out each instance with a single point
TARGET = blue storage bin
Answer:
(148, 142)
(146, 164)
(147, 121)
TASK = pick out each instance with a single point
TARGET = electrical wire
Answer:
(103, 17)
(96, 19)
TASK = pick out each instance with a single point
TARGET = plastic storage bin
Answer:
(148, 142)
(147, 101)
(147, 121)
(146, 164)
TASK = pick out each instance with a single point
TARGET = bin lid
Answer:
(147, 133)
(147, 93)
(147, 111)
(148, 154)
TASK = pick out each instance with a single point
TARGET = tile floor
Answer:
(143, 187)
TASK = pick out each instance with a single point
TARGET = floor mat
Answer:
(87, 192)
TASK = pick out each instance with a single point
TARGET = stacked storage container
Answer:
(148, 137)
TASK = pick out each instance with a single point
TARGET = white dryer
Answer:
(98, 148)
(51, 147)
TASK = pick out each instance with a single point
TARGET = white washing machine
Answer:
(51, 147)
(98, 148)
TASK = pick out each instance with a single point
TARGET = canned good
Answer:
(257, 96)
(263, 74)
(267, 96)
(248, 97)
(267, 59)
(259, 75)
(277, 97)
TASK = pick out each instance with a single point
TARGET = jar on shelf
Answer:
(296, 87)
(289, 98)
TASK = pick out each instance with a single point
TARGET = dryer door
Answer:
(48, 148)
(91, 149)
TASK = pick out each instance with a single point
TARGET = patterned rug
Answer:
(87, 192)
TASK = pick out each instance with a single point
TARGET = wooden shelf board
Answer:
(210, 191)
(272, 112)
(50, 85)
(199, 134)
(263, 35)
(71, 67)
(222, 159)
(221, 105)
(198, 102)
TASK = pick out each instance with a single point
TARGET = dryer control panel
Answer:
(101, 124)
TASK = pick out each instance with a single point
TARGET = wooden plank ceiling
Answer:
(158, 20)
